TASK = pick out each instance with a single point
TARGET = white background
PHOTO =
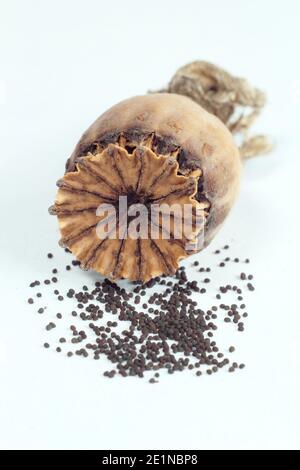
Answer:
(62, 64)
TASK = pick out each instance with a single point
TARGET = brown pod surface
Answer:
(157, 148)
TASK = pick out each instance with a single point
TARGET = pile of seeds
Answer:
(157, 326)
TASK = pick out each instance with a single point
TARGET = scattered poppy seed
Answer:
(171, 332)
(50, 326)
(75, 263)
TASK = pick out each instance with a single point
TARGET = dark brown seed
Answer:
(30, 301)
(75, 263)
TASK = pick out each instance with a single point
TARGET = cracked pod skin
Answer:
(153, 148)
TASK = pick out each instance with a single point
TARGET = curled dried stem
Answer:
(224, 95)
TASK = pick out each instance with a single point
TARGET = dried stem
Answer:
(224, 95)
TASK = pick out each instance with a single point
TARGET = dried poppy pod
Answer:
(154, 149)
